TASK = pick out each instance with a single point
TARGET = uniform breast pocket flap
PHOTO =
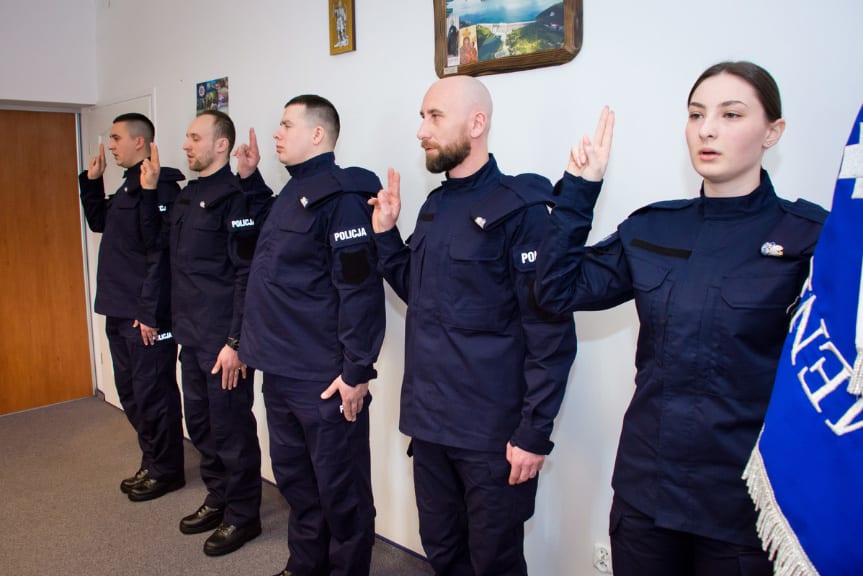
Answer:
(775, 291)
(298, 223)
(209, 222)
(476, 247)
(647, 275)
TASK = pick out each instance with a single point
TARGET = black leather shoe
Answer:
(228, 538)
(203, 519)
(128, 483)
(150, 489)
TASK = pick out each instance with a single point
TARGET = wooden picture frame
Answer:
(548, 38)
(342, 30)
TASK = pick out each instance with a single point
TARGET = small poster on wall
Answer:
(212, 95)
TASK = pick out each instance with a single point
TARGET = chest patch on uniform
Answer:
(664, 250)
(349, 234)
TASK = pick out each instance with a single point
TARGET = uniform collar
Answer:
(752, 203)
(218, 185)
(312, 166)
(133, 171)
(488, 173)
(217, 175)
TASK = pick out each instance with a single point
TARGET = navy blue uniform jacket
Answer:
(212, 239)
(315, 300)
(483, 365)
(713, 312)
(133, 278)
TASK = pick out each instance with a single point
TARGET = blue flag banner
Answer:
(806, 471)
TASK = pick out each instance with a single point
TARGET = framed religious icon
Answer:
(476, 37)
(342, 26)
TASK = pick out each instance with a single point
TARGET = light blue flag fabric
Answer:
(805, 474)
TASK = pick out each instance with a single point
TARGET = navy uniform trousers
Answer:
(640, 548)
(146, 380)
(224, 430)
(322, 466)
(464, 499)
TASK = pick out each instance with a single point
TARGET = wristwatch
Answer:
(233, 343)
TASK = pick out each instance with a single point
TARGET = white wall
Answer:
(639, 57)
(48, 50)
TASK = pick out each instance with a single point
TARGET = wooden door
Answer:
(44, 348)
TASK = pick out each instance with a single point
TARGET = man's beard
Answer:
(448, 157)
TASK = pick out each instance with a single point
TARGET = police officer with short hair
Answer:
(485, 368)
(133, 291)
(212, 239)
(314, 323)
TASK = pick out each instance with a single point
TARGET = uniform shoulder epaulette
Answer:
(804, 209)
(167, 174)
(355, 179)
(665, 205)
(514, 194)
(324, 186)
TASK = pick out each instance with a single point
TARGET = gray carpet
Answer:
(63, 512)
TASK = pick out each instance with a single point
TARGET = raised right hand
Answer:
(97, 164)
(150, 169)
(248, 156)
(590, 159)
(387, 204)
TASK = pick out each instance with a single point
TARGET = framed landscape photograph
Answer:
(477, 37)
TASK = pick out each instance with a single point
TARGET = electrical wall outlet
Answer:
(602, 558)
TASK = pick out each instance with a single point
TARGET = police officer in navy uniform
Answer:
(133, 292)
(314, 324)
(485, 368)
(715, 281)
(212, 239)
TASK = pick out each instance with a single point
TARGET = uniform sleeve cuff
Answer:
(389, 241)
(253, 183)
(531, 440)
(353, 374)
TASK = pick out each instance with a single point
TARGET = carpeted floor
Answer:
(63, 512)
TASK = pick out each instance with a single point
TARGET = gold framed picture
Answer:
(342, 32)
(476, 37)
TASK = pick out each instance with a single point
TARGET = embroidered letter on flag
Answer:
(806, 471)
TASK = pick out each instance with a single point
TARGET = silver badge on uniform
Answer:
(480, 221)
(304, 201)
(203, 204)
(772, 249)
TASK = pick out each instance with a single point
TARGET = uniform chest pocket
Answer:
(646, 275)
(299, 256)
(124, 216)
(208, 222)
(478, 280)
(476, 248)
(760, 292)
(652, 289)
(125, 201)
(206, 236)
(299, 222)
